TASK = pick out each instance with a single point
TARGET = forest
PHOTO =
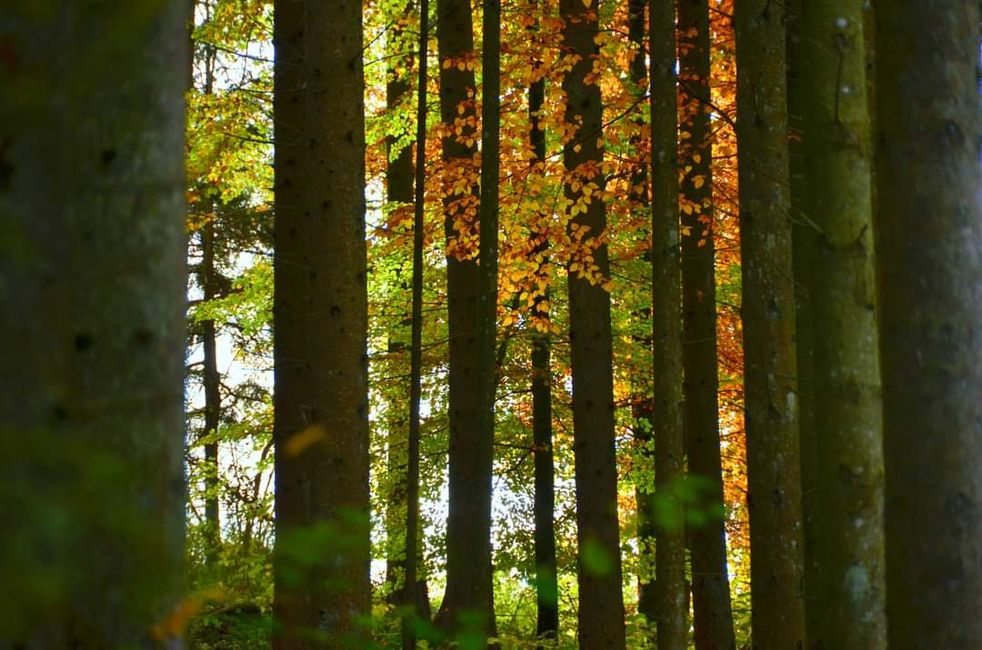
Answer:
(597, 324)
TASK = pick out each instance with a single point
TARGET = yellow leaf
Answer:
(698, 181)
(587, 3)
(300, 441)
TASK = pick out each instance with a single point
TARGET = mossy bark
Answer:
(846, 424)
(92, 261)
(601, 606)
(929, 279)
(768, 310)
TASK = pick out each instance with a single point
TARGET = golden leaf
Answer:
(300, 441)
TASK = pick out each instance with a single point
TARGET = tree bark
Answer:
(468, 600)
(848, 516)
(666, 321)
(642, 412)
(213, 399)
(713, 618)
(929, 234)
(774, 497)
(546, 570)
(601, 606)
(320, 319)
(93, 271)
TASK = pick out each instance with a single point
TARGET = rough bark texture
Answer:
(848, 516)
(93, 290)
(601, 606)
(929, 238)
(467, 601)
(666, 322)
(774, 497)
(546, 573)
(320, 325)
(713, 618)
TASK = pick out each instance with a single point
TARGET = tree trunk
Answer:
(774, 497)
(399, 174)
(644, 445)
(213, 399)
(92, 262)
(601, 605)
(544, 505)
(929, 234)
(803, 241)
(839, 277)
(666, 322)
(320, 314)
(467, 602)
(713, 618)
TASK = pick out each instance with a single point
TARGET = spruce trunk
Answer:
(92, 261)
(320, 330)
(929, 267)
(774, 494)
(848, 516)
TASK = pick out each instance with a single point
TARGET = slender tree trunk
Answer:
(468, 596)
(839, 277)
(92, 262)
(713, 618)
(412, 592)
(546, 572)
(399, 174)
(644, 445)
(320, 318)
(213, 398)
(929, 234)
(774, 497)
(601, 605)
(482, 445)
(666, 321)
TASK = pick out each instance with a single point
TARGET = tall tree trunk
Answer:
(929, 234)
(415, 594)
(320, 318)
(482, 445)
(839, 277)
(399, 175)
(546, 570)
(644, 445)
(93, 266)
(468, 596)
(774, 497)
(713, 618)
(601, 606)
(666, 322)
(213, 398)
(803, 241)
